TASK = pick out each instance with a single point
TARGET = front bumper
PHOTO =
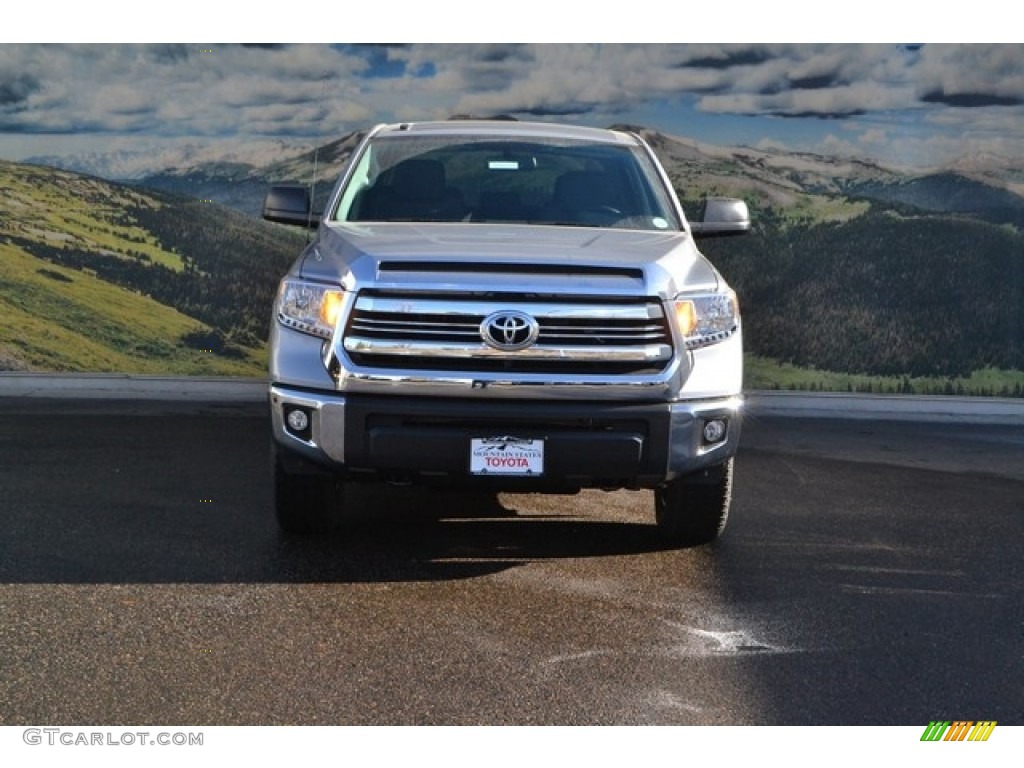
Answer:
(427, 439)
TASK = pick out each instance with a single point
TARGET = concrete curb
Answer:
(842, 405)
(116, 386)
(827, 405)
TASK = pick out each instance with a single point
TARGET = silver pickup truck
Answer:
(515, 306)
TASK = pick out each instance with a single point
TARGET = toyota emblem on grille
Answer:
(508, 330)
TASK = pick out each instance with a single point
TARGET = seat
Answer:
(415, 189)
(499, 206)
(418, 182)
(580, 194)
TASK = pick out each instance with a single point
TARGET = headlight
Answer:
(705, 319)
(309, 307)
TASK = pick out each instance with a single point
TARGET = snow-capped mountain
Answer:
(134, 164)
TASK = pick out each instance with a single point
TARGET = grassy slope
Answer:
(60, 207)
(90, 325)
(880, 303)
(766, 373)
(57, 319)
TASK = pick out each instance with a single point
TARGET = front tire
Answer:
(693, 510)
(306, 502)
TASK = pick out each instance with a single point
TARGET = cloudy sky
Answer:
(912, 105)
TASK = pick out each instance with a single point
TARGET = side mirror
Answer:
(290, 204)
(722, 216)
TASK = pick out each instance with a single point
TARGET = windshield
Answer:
(509, 180)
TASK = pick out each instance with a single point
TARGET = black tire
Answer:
(693, 510)
(306, 502)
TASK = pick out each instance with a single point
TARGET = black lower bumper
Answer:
(586, 444)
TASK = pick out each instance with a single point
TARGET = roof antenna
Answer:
(320, 116)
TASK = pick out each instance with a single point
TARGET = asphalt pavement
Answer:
(871, 574)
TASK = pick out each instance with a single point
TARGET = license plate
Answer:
(506, 456)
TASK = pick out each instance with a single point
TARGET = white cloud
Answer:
(995, 71)
(939, 96)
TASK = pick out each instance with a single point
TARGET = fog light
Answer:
(714, 430)
(298, 420)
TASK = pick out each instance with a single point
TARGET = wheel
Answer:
(694, 509)
(309, 501)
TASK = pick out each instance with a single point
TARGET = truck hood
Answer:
(515, 258)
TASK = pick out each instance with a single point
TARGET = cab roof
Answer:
(507, 128)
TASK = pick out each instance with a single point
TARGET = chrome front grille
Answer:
(575, 336)
(371, 324)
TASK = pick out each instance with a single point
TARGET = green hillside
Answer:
(96, 276)
(838, 293)
(882, 294)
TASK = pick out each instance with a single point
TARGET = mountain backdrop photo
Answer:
(885, 183)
